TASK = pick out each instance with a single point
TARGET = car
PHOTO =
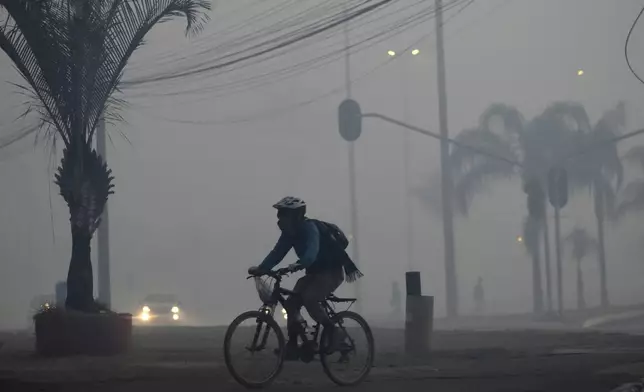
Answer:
(160, 309)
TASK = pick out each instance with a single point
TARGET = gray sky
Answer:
(192, 205)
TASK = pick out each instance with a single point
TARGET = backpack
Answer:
(334, 235)
(333, 232)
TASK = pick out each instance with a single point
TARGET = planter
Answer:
(60, 332)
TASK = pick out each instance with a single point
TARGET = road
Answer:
(189, 359)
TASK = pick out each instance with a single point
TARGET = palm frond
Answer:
(72, 53)
(511, 119)
(632, 198)
(472, 171)
(581, 243)
(572, 113)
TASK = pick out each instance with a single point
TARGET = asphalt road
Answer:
(189, 359)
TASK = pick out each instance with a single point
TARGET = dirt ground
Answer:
(190, 359)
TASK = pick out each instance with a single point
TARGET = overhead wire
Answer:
(330, 34)
(240, 56)
(281, 111)
(258, 80)
(628, 38)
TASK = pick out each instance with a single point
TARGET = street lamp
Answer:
(580, 72)
(519, 239)
(406, 152)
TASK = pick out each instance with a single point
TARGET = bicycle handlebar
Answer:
(276, 274)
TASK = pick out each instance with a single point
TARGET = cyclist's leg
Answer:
(293, 304)
(320, 286)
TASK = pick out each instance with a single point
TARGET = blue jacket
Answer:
(307, 247)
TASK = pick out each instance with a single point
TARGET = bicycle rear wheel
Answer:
(263, 339)
(355, 363)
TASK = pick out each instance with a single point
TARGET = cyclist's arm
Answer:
(312, 245)
(281, 249)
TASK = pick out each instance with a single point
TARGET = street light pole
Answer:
(104, 281)
(352, 168)
(406, 152)
(446, 175)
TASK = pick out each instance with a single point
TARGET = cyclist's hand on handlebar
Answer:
(254, 271)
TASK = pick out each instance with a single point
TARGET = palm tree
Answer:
(72, 54)
(581, 245)
(632, 198)
(602, 171)
(535, 145)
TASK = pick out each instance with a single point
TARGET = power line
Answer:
(336, 90)
(309, 64)
(288, 41)
(628, 38)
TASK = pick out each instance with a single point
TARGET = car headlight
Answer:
(175, 309)
(146, 309)
(175, 316)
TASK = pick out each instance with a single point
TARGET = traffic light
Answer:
(350, 120)
(536, 198)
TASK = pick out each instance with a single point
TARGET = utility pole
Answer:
(352, 166)
(104, 284)
(406, 151)
(446, 174)
(560, 304)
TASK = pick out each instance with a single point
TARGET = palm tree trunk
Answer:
(581, 299)
(546, 249)
(80, 279)
(537, 291)
(601, 251)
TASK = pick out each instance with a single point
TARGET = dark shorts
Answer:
(316, 287)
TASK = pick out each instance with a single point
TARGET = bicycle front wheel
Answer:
(254, 352)
(353, 359)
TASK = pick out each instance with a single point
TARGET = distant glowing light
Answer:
(145, 316)
(580, 72)
(519, 239)
(415, 52)
(391, 53)
(175, 317)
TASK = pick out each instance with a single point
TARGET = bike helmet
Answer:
(290, 203)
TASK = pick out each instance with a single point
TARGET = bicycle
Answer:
(271, 296)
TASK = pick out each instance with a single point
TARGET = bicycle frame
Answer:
(278, 298)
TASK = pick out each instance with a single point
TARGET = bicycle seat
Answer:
(332, 298)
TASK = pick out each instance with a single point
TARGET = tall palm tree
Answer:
(601, 170)
(502, 131)
(72, 54)
(581, 245)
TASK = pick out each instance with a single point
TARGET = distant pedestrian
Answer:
(479, 296)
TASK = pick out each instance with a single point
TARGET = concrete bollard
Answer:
(419, 319)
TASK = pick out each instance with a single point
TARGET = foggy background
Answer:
(198, 172)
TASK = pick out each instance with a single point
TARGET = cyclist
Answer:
(324, 265)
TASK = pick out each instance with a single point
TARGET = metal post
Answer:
(409, 227)
(352, 167)
(558, 260)
(446, 175)
(104, 285)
